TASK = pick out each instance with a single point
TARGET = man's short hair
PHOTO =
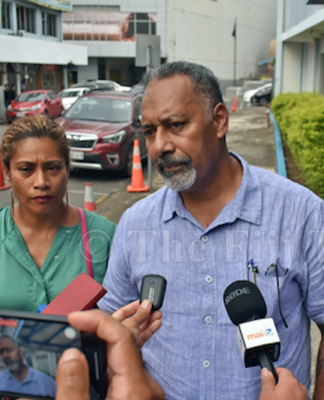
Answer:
(13, 85)
(13, 341)
(204, 82)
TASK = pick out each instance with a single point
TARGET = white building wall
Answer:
(299, 61)
(292, 65)
(201, 31)
(89, 71)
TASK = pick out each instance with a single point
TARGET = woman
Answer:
(41, 245)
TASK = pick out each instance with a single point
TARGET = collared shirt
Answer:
(35, 383)
(194, 356)
(23, 286)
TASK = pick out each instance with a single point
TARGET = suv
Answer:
(101, 127)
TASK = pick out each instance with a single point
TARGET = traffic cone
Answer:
(137, 173)
(234, 104)
(89, 202)
(3, 185)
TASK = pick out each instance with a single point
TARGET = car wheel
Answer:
(46, 113)
(62, 110)
(263, 102)
(128, 166)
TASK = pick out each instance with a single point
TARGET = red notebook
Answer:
(81, 294)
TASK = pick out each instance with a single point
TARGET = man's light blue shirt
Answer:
(194, 356)
(35, 383)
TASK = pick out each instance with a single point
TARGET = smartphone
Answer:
(153, 289)
(30, 348)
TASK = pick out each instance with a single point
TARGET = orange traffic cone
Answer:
(234, 104)
(137, 173)
(89, 202)
(3, 185)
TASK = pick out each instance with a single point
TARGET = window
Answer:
(26, 19)
(5, 10)
(48, 24)
(106, 23)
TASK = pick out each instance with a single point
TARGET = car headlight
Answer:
(115, 138)
(36, 107)
(9, 108)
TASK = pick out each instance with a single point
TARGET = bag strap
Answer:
(85, 240)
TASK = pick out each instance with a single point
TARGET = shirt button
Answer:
(205, 239)
(206, 363)
(208, 320)
(56, 257)
(209, 279)
(68, 231)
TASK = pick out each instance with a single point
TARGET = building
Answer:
(198, 31)
(300, 46)
(31, 43)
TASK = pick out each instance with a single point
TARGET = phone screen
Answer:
(30, 349)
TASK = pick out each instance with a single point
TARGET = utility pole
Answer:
(234, 35)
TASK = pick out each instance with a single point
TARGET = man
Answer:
(218, 220)
(12, 94)
(19, 377)
(129, 380)
(6, 92)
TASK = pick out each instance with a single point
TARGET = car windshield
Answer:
(30, 97)
(101, 109)
(72, 93)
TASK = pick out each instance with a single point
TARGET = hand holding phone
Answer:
(30, 347)
(153, 289)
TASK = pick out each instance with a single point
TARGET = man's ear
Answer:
(220, 116)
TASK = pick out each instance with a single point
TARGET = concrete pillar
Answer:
(65, 78)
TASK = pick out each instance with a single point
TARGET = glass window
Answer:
(106, 23)
(30, 97)
(101, 109)
(26, 19)
(5, 12)
(48, 24)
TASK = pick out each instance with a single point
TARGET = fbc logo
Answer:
(262, 333)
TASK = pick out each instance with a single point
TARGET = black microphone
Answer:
(257, 336)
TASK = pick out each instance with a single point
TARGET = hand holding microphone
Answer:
(257, 337)
(288, 388)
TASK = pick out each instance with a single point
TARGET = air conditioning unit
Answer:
(21, 33)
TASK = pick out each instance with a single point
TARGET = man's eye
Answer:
(149, 132)
(176, 124)
(25, 169)
(53, 167)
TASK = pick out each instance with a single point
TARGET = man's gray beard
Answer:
(177, 180)
(13, 366)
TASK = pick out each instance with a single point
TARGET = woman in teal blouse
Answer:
(41, 248)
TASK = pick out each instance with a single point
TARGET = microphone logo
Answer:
(236, 293)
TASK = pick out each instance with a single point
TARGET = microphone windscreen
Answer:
(244, 302)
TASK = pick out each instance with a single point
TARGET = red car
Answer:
(101, 127)
(35, 102)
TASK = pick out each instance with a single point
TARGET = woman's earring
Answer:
(67, 197)
(12, 202)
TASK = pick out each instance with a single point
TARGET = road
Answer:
(103, 183)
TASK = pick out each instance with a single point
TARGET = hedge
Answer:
(301, 120)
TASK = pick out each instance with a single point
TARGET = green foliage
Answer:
(301, 120)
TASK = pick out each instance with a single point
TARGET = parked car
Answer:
(35, 102)
(100, 84)
(262, 97)
(247, 96)
(69, 96)
(101, 127)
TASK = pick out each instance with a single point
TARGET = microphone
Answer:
(257, 336)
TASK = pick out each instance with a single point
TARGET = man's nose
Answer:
(162, 142)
